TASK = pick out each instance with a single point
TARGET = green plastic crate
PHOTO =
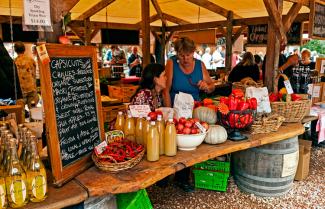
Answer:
(134, 200)
(212, 175)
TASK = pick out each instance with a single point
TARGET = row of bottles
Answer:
(154, 135)
(22, 173)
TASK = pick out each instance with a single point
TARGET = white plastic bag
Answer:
(262, 97)
(183, 105)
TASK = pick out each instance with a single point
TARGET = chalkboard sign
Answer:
(70, 88)
(75, 106)
(317, 19)
(257, 34)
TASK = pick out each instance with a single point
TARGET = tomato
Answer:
(180, 127)
(153, 116)
(194, 131)
(182, 120)
(179, 132)
(186, 130)
(205, 125)
(188, 124)
(175, 121)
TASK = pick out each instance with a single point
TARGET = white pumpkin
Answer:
(205, 114)
(216, 135)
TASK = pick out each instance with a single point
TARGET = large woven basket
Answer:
(292, 111)
(115, 167)
(246, 82)
(263, 125)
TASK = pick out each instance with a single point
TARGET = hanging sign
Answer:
(37, 13)
(317, 20)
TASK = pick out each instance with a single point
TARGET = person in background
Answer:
(218, 59)
(26, 68)
(259, 63)
(245, 68)
(207, 58)
(134, 63)
(8, 76)
(189, 75)
(287, 69)
(305, 66)
(115, 56)
(152, 82)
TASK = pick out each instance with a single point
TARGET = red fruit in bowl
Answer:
(180, 127)
(153, 116)
(205, 125)
(182, 120)
(196, 120)
(179, 132)
(186, 130)
(194, 131)
(175, 121)
(188, 124)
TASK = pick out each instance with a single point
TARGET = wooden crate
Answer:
(110, 112)
(122, 92)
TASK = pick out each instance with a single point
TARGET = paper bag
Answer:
(262, 97)
(183, 105)
(168, 112)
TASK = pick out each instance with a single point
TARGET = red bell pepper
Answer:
(295, 97)
(252, 103)
(242, 105)
(207, 101)
(224, 100)
(273, 97)
(232, 120)
(238, 93)
(233, 102)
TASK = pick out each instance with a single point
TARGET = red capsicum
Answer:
(224, 100)
(232, 120)
(273, 97)
(238, 93)
(295, 97)
(242, 105)
(233, 102)
(252, 103)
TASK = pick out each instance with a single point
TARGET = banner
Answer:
(37, 15)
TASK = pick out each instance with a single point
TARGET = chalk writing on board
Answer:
(75, 107)
(319, 20)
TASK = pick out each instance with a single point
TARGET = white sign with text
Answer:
(37, 12)
(139, 110)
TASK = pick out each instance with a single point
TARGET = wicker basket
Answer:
(123, 92)
(246, 82)
(292, 111)
(267, 124)
(115, 167)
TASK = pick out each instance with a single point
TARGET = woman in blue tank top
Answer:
(186, 74)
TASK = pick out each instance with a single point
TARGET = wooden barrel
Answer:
(268, 170)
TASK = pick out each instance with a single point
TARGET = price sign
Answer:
(139, 110)
(288, 86)
(37, 12)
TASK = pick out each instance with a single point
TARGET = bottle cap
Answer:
(170, 120)
(159, 118)
(120, 112)
(152, 123)
(148, 118)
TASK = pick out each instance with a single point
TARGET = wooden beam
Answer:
(87, 31)
(291, 15)
(194, 26)
(163, 44)
(153, 18)
(222, 30)
(96, 8)
(174, 19)
(304, 2)
(169, 36)
(156, 36)
(145, 13)
(229, 41)
(77, 33)
(212, 7)
(159, 12)
(237, 33)
(276, 19)
(93, 34)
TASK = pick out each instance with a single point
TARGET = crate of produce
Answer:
(110, 112)
(134, 200)
(212, 175)
(122, 92)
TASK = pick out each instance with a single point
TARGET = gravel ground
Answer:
(304, 194)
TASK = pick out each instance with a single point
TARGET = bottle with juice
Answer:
(129, 128)
(153, 143)
(36, 176)
(3, 196)
(145, 130)
(16, 182)
(170, 138)
(161, 131)
(138, 130)
(120, 120)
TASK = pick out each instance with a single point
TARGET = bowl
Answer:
(189, 142)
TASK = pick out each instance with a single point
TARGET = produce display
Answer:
(283, 96)
(189, 126)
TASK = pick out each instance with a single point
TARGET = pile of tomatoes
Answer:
(188, 126)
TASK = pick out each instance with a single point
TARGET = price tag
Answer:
(139, 110)
(316, 91)
(288, 86)
(202, 129)
(42, 53)
(99, 149)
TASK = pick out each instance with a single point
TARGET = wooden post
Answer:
(272, 52)
(87, 31)
(145, 26)
(229, 40)
(163, 44)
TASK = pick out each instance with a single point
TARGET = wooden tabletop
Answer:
(146, 173)
(70, 194)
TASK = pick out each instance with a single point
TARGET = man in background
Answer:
(134, 63)
(26, 68)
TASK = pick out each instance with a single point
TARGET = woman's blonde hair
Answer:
(248, 59)
(184, 44)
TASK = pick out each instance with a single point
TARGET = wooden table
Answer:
(146, 173)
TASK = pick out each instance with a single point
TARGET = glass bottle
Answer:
(6, 157)
(20, 138)
(138, 130)
(36, 175)
(170, 138)
(3, 196)
(26, 151)
(120, 120)
(145, 130)
(161, 132)
(153, 143)
(16, 183)
(129, 128)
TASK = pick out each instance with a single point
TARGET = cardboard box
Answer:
(304, 158)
